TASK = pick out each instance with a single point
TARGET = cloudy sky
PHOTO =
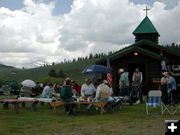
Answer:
(39, 31)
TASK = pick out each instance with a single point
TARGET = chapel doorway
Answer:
(132, 67)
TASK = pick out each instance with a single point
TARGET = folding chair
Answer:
(176, 99)
(174, 102)
(154, 100)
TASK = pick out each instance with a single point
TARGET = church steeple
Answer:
(146, 30)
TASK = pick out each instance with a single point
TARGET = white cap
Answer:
(121, 70)
(165, 73)
(105, 81)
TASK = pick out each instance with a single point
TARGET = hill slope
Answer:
(6, 70)
(4, 67)
(72, 70)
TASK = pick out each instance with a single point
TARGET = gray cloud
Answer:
(169, 3)
(35, 34)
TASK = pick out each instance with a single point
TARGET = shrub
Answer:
(45, 80)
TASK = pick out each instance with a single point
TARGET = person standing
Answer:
(171, 86)
(66, 96)
(137, 76)
(123, 83)
(163, 64)
(164, 80)
(137, 79)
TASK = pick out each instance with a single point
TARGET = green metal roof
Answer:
(145, 26)
(137, 47)
(160, 47)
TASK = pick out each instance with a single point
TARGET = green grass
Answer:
(131, 120)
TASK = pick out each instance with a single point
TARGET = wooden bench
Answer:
(101, 105)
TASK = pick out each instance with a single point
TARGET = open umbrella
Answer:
(28, 83)
(99, 69)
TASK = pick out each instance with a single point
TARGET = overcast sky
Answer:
(34, 31)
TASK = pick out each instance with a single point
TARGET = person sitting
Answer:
(103, 92)
(87, 90)
(34, 92)
(47, 91)
(66, 96)
(55, 93)
(76, 88)
(55, 88)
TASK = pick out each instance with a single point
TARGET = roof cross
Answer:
(146, 10)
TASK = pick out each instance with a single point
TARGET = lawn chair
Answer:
(154, 100)
(174, 102)
(176, 99)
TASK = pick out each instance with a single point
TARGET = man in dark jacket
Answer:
(66, 96)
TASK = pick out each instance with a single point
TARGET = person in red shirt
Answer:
(76, 88)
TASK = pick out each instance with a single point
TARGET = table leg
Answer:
(23, 105)
(34, 105)
(5, 105)
(102, 109)
(16, 107)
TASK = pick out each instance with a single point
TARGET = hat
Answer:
(105, 81)
(165, 73)
(67, 79)
(121, 70)
(87, 79)
(72, 81)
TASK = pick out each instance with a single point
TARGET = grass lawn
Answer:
(130, 120)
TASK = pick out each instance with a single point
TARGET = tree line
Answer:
(89, 57)
(174, 46)
(102, 55)
(61, 74)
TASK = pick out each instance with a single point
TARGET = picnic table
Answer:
(54, 103)
(16, 103)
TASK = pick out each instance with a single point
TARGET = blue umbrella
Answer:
(99, 69)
